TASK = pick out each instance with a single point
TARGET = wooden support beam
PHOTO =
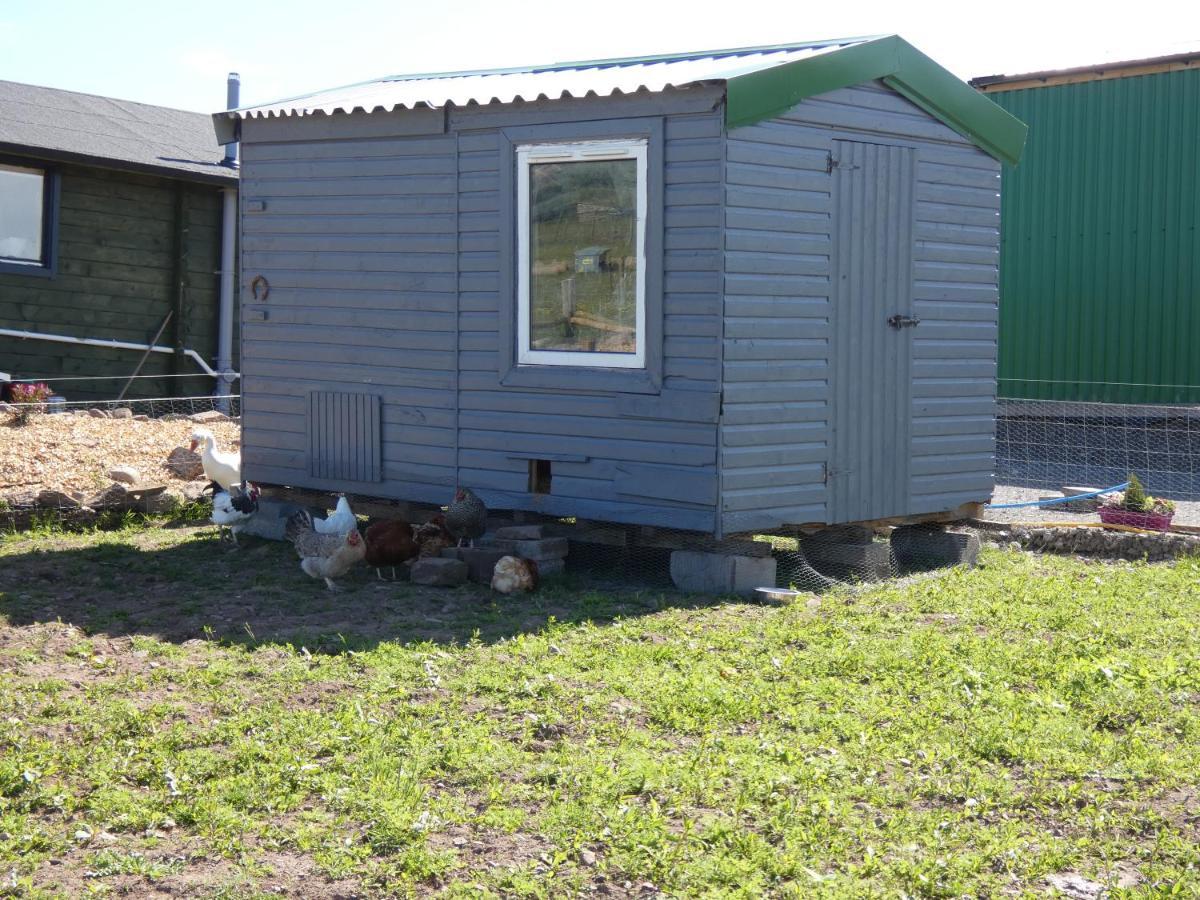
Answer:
(401, 510)
(960, 513)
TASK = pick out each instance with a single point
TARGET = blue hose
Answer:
(1071, 499)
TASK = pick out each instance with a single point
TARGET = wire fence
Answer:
(1042, 446)
(153, 408)
(1054, 444)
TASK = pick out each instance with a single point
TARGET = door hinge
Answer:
(898, 321)
(830, 163)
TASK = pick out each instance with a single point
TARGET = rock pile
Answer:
(1110, 544)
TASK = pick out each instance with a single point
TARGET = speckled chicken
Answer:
(325, 556)
(466, 517)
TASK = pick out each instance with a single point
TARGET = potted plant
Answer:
(1136, 507)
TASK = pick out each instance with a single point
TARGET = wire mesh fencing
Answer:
(1053, 444)
(86, 462)
(812, 559)
(229, 406)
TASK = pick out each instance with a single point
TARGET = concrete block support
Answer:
(438, 571)
(718, 573)
(537, 550)
(481, 561)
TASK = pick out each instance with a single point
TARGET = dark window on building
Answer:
(27, 209)
(539, 476)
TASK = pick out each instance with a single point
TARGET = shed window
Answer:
(24, 213)
(581, 285)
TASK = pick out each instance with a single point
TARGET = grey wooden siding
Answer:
(358, 241)
(384, 263)
(116, 247)
(873, 209)
(383, 249)
(605, 447)
(343, 434)
(775, 430)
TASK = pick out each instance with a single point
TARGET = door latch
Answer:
(898, 321)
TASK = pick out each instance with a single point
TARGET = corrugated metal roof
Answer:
(760, 82)
(1077, 74)
(51, 123)
(550, 82)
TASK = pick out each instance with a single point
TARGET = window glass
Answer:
(583, 229)
(22, 205)
(583, 262)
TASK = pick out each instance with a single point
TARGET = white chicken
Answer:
(223, 468)
(340, 521)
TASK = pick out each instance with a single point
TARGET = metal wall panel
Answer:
(1100, 258)
(874, 202)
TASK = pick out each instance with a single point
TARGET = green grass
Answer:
(221, 725)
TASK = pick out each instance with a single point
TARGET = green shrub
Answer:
(1136, 498)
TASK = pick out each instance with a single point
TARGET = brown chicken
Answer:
(324, 555)
(466, 516)
(512, 574)
(390, 544)
(432, 537)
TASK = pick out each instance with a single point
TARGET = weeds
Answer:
(970, 734)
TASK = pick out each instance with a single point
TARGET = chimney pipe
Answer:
(233, 86)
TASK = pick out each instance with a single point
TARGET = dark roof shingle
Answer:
(58, 124)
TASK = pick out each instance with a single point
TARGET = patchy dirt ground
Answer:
(71, 453)
(181, 720)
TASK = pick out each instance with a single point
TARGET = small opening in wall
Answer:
(539, 476)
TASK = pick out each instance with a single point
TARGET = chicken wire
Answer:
(152, 407)
(815, 560)
(1054, 444)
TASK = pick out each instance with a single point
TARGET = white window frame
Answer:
(581, 151)
(43, 218)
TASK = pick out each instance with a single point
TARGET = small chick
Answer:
(513, 574)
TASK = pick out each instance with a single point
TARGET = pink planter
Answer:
(1111, 515)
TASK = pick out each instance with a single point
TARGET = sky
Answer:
(177, 54)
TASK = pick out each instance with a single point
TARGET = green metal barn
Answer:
(1100, 251)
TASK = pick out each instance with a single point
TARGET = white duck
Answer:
(340, 521)
(223, 468)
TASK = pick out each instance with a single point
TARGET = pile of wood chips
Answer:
(74, 454)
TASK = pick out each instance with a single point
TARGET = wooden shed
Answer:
(794, 321)
(111, 225)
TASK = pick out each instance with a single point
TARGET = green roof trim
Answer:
(761, 95)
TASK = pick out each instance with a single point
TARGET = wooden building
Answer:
(794, 322)
(110, 226)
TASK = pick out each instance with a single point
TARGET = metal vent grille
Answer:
(343, 436)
